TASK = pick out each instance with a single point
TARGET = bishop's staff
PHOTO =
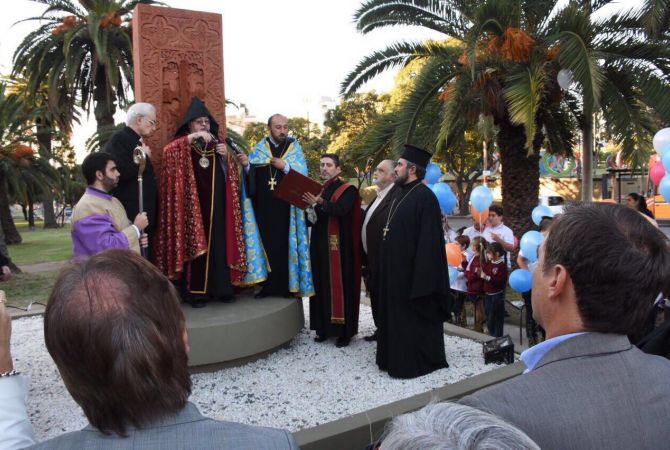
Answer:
(140, 159)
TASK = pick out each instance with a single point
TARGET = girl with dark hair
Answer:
(639, 203)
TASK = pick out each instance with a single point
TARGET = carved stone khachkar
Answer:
(177, 54)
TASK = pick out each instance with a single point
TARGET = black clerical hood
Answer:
(416, 155)
(197, 109)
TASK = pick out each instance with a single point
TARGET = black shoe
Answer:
(260, 294)
(320, 338)
(227, 299)
(372, 337)
(342, 342)
(197, 303)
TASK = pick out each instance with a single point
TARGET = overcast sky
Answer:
(278, 56)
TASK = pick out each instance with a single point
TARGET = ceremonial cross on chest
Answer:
(386, 230)
(272, 183)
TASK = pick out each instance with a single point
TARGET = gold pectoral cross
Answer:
(272, 183)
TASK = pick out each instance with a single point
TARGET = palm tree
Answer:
(86, 48)
(502, 61)
(15, 128)
(53, 118)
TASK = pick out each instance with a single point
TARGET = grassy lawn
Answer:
(24, 288)
(38, 246)
(41, 245)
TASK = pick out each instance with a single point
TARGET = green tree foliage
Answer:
(81, 51)
(502, 62)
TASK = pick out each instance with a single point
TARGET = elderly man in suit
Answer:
(600, 269)
(114, 327)
(374, 219)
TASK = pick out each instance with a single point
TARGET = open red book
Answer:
(294, 185)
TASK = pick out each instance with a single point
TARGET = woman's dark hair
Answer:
(641, 204)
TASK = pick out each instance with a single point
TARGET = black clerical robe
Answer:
(121, 146)
(413, 283)
(323, 314)
(272, 217)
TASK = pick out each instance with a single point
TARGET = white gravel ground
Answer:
(300, 386)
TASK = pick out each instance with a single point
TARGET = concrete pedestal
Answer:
(225, 332)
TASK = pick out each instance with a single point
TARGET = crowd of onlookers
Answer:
(482, 274)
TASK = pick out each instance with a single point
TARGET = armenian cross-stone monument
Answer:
(177, 54)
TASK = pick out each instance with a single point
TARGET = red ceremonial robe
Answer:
(183, 230)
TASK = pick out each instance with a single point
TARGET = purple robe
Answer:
(99, 222)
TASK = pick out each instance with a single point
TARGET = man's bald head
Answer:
(384, 174)
(278, 126)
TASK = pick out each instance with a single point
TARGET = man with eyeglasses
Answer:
(140, 124)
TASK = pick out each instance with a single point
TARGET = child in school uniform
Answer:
(459, 286)
(494, 274)
(475, 282)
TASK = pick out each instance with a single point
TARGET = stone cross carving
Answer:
(177, 54)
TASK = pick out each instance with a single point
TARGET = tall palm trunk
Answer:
(520, 178)
(12, 235)
(105, 105)
(44, 133)
(587, 158)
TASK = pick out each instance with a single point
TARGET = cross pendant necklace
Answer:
(272, 183)
(393, 211)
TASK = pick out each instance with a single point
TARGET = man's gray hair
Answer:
(390, 162)
(442, 426)
(139, 110)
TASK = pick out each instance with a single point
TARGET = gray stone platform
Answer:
(225, 333)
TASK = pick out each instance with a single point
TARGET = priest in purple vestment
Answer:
(99, 221)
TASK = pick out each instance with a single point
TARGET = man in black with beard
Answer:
(413, 279)
(282, 227)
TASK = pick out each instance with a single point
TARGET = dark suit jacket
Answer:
(121, 146)
(374, 233)
(593, 391)
(187, 430)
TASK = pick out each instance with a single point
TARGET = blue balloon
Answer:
(445, 197)
(521, 280)
(449, 204)
(529, 244)
(664, 151)
(433, 173)
(666, 161)
(430, 185)
(481, 198)
(664, 187)
(453, 274)
(539, 212)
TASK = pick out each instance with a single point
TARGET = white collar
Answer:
(382, 193)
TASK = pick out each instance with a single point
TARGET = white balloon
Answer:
(564, 78)
(661, 140)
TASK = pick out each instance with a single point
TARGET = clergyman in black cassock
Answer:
(335, 256)
(413, 277)
(141, 123)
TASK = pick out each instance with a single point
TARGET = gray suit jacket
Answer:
(593, 391)
(187, 430)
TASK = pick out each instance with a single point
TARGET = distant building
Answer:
(238, 122)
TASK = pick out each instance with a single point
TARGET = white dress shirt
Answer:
(380, 196)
